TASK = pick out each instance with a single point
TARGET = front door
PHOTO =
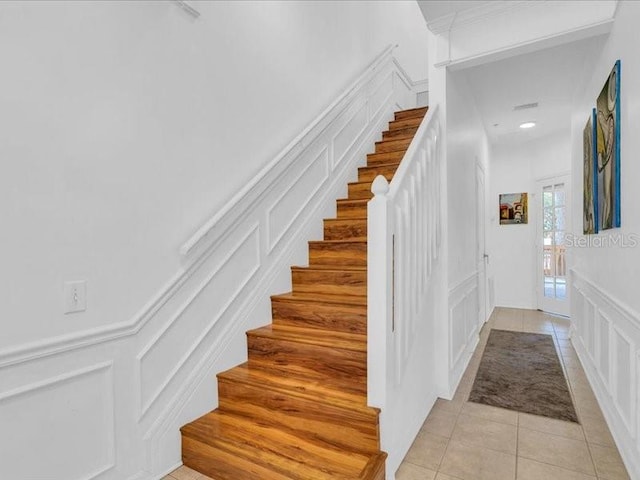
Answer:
(553, 225)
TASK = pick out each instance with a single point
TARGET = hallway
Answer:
(469, 441)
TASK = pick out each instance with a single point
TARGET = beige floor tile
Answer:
(578, 381)
(588, 410)
(508, 324)
(537, 326)
(409, 471)
(608, 463)
(576, 373)
(427, 450)
(571, 362)
(449, 406)
(568, 353)
(461, 394)
(531, 470)
(490, 413)
(486, 433)
(561, 326)
(555, 450)
(550, 425)
(469, 462)
(440, 423)
(598, 432)
(466, 382)
(584, 396)
(185, 473)
(444, 476)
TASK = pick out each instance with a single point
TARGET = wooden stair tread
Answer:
(346, 220)
(322, 298)
(393, 145)
(313, 336)
(331, 268)
(378, 166)
(407, 132)
(345, 228)
(418, 112)
(385, 157)
(356, 201)
(336, 242)
(332, 392)
(401, 142)
(405, 123)
(297, 457)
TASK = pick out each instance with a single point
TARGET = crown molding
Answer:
(464, 18)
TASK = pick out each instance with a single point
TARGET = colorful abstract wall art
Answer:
(589, 177)
(513, 208)
(607, 206)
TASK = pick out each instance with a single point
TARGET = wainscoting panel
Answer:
(60, 427)
(177, 341)
(457, 335)
(606, 335)
(463, 327)
(604, 350)
(350, 132)
(623, 366)
(286, 210)
(380, 93)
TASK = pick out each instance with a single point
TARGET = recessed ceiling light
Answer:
(527, 125)
(526, 106)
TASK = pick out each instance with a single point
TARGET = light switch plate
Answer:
(75, 296)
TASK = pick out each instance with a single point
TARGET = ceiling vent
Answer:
(526, 106)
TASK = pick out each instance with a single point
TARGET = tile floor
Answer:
(185, 473)
(468, 441)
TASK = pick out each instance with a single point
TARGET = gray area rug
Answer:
(521, 371)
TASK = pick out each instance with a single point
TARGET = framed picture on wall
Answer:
(607, 206)
(590, 177)
(513, 209)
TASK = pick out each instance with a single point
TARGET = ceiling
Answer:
(433, 10)
(548, 77)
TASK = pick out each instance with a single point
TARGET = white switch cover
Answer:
(75, 296)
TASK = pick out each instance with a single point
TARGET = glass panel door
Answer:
(552, 270)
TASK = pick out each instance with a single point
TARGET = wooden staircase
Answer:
(297, 409)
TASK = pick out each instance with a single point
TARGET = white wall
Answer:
(515, 168)
(124, 127)
(502, 29)
(467, 147)
(605, 300)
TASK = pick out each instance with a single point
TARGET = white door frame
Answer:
(481, 250)
(551, 305)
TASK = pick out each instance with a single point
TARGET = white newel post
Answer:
(379, 301)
